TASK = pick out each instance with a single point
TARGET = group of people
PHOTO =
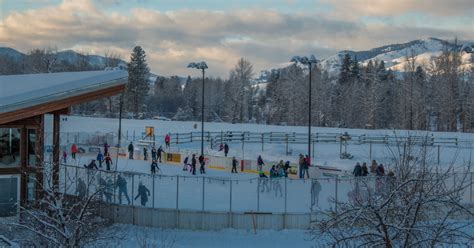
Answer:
(191, 167)
(375, 169)
(101, 158)
(106, 188)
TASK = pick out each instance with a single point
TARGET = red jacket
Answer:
(167, 138)
(73, 148)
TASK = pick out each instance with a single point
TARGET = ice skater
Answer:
(185, 163)
(202, 162)
(167, 140)
(143, 193)
(234, 165)
(260, 163)
(122, 186)
(315, 190)
(263, 182)
(193, 165)
(100, 158)
(158, 153)
(154, 166)
(145, 153)
(130, 151)
(108, 161)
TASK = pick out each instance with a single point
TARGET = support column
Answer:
(56, 145)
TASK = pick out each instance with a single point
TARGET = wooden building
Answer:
(24, 100)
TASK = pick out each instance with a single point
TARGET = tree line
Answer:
(437, 96)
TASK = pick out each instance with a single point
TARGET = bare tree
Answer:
(42, 60)
(416, 205)
(65, 215)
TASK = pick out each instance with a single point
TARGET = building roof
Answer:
(28, 91)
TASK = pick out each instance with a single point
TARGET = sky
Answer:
(265, 32)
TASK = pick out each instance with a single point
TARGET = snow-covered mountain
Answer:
(67, 55)
(394, 56)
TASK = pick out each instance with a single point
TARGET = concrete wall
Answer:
(196, 220)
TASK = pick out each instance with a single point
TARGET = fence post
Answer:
(262, 140)
(258, 194)
(286, 194)
(230, 197)
(133, 135)
(336, 196)
(438, 153)
(177, 193)
(286, 139)
(471, 189)
(370, 150)
(153, 201)
(133, 183)
(203, 188)
(191, 133)
(312, 153)
(65, 179)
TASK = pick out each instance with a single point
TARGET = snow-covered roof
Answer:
(23, 91)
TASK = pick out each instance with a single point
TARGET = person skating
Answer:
(357, 172)
(373, 167)
(185, 163)
(380, 170)
(73, 151)
(263, 182)
(106, 148)
(108, 161)
(159, 152)
(286, 168)
(100, 158)
(202, 162)
(145, 153)
(130, 151)
(306, 164)
(315, 190)
(280, 164)
(193, 164)
(122, 186)
(300, 166)
(365, 169)
(143, 193)
(260, 163)
(167, 140)
(226, 149)
(153, 153)
(234, 165)
(273, 172)
(109, 190)
(64, 157)
(154, 166)
(81, 188)
(91, 165)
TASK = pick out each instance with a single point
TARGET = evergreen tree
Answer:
(137, 86)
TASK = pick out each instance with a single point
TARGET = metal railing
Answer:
(281, 195)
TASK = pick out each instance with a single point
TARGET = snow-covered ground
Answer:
(325, 153)
(133, 236)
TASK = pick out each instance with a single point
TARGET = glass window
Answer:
(32, 147)
(9, 196)
(10, 147)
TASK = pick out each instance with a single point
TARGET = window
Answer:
(10, 147)
(31, 147)
(9, 195)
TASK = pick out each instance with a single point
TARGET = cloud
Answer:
(172, 39)
(399, 7)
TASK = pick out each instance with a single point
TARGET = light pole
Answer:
(308, 62)
(201, 66)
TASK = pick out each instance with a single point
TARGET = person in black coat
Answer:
(145, 153)
(153, 153)
(193, 164)
(154, 165)
(226, 149)
(143, 193)
(357, 170)
(130, 151)
(91, 165)
(202, 163)
(160, 150)
(234, 165)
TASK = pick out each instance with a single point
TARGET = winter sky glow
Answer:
(266, 32)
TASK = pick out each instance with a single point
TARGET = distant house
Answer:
(24, 100)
